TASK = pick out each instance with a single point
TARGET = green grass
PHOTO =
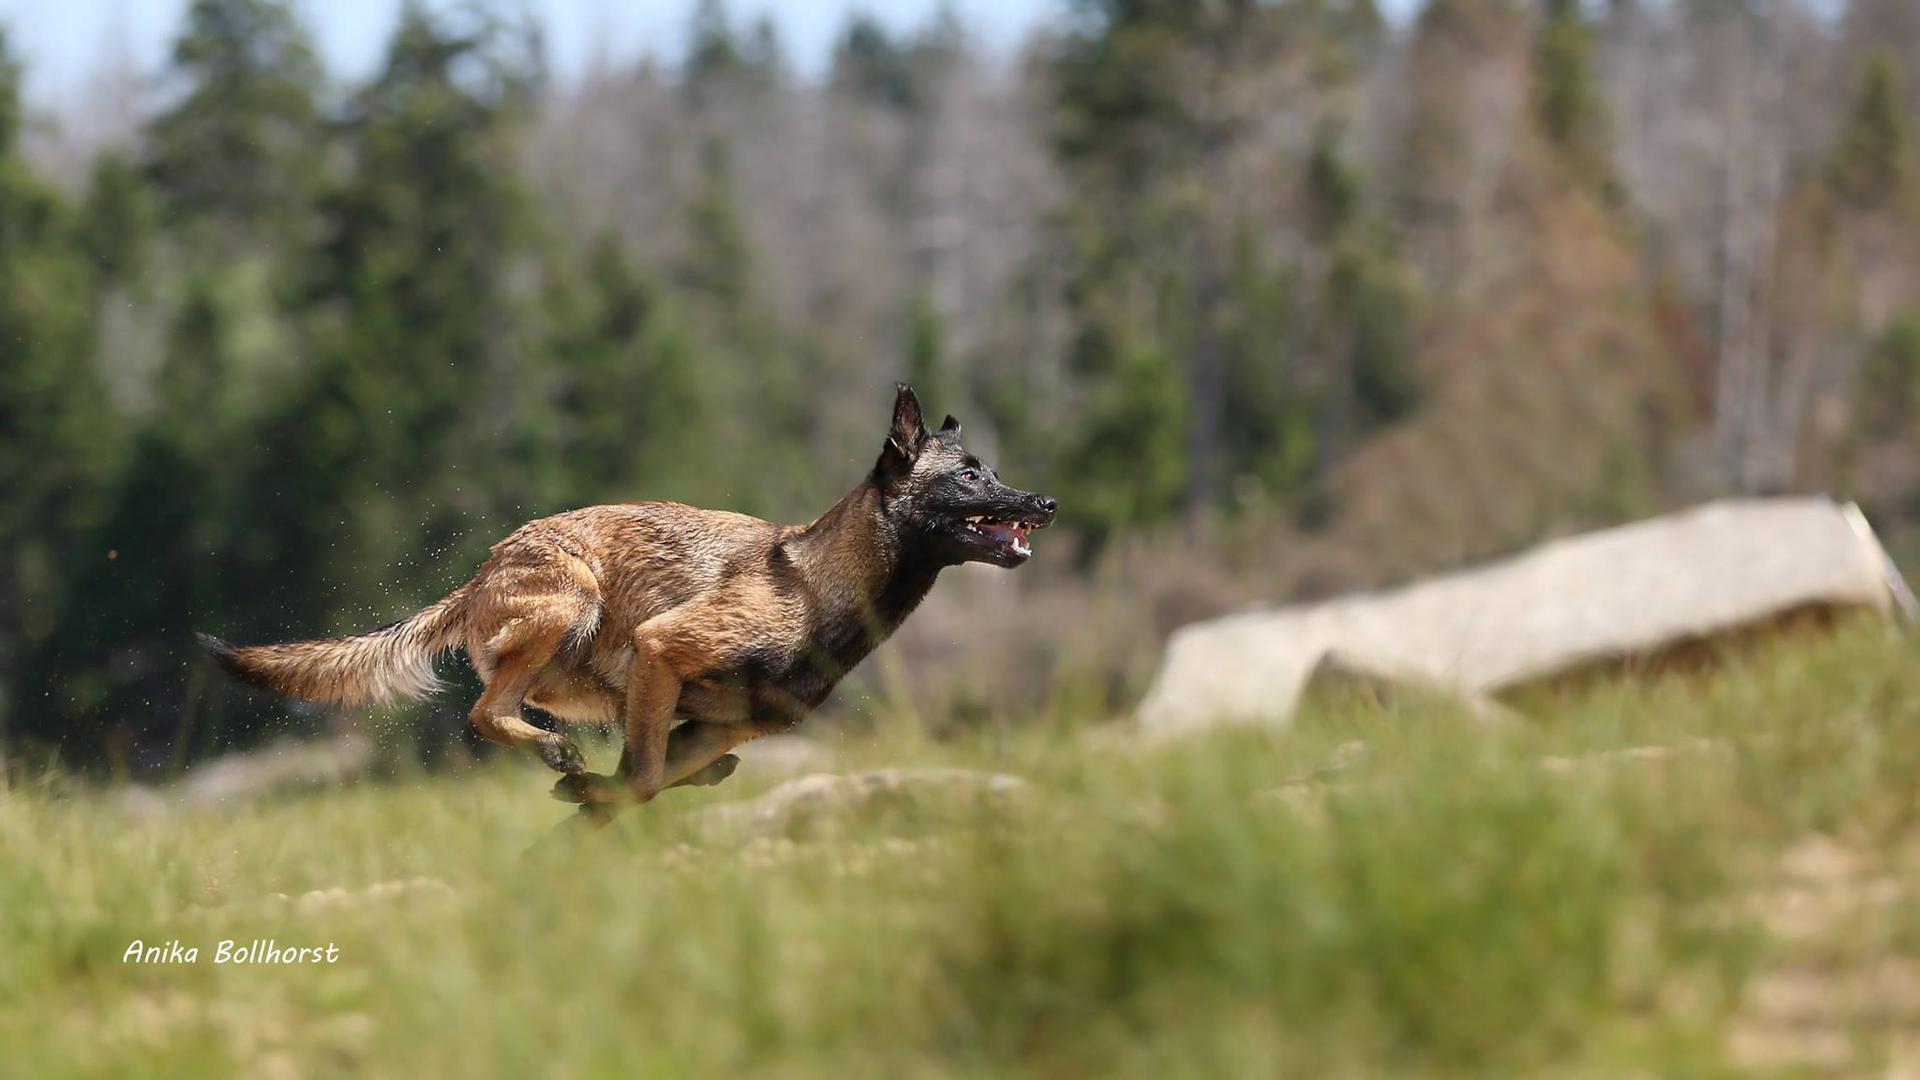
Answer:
(1446, 904)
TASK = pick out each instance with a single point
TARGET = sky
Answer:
(63, 41)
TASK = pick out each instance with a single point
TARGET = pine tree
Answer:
(1852, 239)
(761, 373)
(241, 149)
(1365, 300)
(1131, 140)
(872, 65)
(1168, 266)
(1566, 99)
(630, 394)
(412, 403)
(1872, 166)
(721, 61)
(711, 50)
(1125, 460)
(57, 436)
(868, 64)
(118, 220)
(1265, 428)
(927, 361)
(717, 263)
(1889, 399)
(166, 524)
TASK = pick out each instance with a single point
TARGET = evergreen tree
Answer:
(117, 222)
(1566, 100)
(415, 315)
(872, 65)
(1143, 288)
(1376, 298)
(717, 264)
(1333, 187)
(126, 638)
(57, 436)
(241, 148)
(1890, 381)
(631, 395)
(1167, 261)
(719, 59)
(711, 50)
(1872, 166)
(1853, 234)
(1266, 430)
(927, 366)
(869, 64)
(758, 373)
(1125, 459)
(1365, 298)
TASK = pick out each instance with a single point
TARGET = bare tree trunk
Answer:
(1753, 162)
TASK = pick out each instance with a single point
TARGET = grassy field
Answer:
(1692, 876)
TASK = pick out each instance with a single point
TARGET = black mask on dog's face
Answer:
(948, 500)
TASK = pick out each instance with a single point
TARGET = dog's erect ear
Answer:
(951, 427)
(909, 430)
(907, 433)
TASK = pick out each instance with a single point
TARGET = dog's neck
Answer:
(855, 559)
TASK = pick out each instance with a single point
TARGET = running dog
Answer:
(694, 630)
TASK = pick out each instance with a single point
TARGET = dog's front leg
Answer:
(653, 689)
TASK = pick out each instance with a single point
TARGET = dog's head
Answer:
(947, 501)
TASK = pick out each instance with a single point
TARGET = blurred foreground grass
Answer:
(1690, 876)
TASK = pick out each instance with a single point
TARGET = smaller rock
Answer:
(785, 755)
(820, 802)
(1689, 748)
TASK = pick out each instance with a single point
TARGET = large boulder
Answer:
(1637, 591)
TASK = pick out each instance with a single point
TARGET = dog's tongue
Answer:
(1006, 532)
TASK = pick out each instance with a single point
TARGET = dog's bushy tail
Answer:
(379, 666)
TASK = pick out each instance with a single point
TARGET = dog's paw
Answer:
(572, 788)
(587, 789)
(563, 757)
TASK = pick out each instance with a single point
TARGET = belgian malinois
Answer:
(695, 630)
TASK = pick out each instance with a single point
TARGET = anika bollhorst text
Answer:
(227, 951)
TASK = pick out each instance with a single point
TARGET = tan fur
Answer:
(377, 667)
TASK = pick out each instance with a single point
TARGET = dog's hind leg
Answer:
(696, 757)
(515, 656)
(496, 716)
(523, 615)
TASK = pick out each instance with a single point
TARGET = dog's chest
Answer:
(771, 688)
(784, 681)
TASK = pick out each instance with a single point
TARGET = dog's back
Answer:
(642, 558)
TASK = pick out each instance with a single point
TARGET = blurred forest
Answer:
(1279, 298)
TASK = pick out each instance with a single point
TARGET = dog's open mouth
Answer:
(1007, 536)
